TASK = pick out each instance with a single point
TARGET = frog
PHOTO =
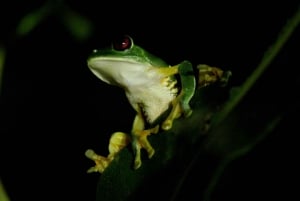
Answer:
(158, 92)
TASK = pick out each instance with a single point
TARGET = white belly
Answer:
(149, 91)
(153, 99)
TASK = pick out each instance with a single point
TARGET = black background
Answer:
(53, 108)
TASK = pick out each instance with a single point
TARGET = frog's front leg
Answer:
(139, 139)
(181, 104)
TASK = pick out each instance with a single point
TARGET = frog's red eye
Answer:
(122, 43)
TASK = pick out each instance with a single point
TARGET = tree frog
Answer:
(159, 93)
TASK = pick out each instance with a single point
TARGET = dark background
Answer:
(53, 108)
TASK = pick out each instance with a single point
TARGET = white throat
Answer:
(144, 86)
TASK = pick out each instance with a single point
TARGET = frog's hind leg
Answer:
(209, 75)
(117, 142)
(181, 104)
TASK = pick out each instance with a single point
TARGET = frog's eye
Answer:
(122, 43)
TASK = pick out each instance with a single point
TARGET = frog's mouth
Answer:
(117, 71)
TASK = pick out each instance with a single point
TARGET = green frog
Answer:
(158, 92)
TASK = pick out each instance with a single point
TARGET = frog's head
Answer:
(122, 62)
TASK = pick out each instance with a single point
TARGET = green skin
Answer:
(149, 83)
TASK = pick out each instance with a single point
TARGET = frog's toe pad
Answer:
(167, 125)
(151, 153)
(137, 163)
(225, 78)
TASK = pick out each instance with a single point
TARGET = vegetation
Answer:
(227, 123)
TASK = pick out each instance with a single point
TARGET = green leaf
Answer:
(174, 148)
(236, 153)
(3, 194)
(79, 27)
(189, 142)
(32, 20)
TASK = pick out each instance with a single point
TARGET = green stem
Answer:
(268, 57)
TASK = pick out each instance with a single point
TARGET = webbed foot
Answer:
(140, 141)
(117, 142)
(209, 75)
(101, 162)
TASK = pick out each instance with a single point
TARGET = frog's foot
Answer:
(140, 141)
(117, 142)
(179, 108)
(225, 78)
(175, 113)
(101, 162)
(208, 75)
(181, 104)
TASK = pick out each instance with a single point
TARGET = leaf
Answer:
(187, 150)
(3, 194)
(174, 148)
(236, 153)
(79, 27)
(32, 20)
